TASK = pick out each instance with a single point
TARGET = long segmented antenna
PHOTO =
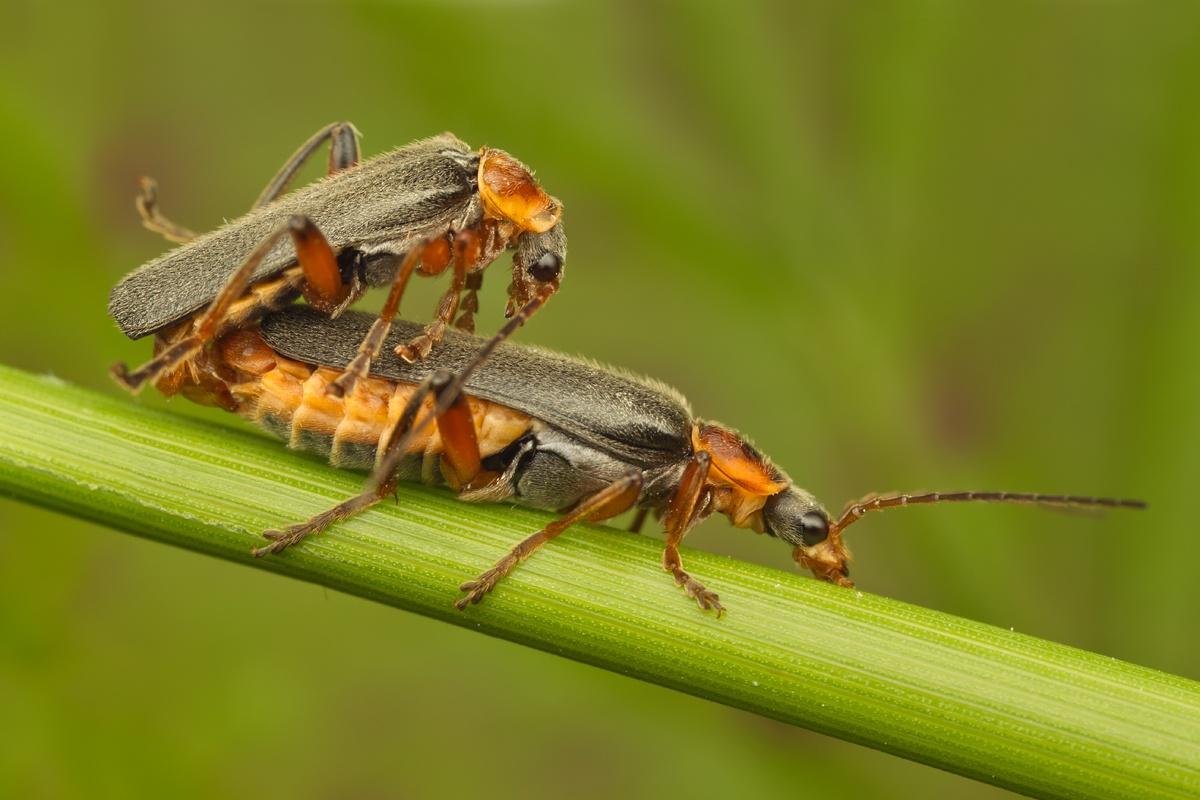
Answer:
(855, 511)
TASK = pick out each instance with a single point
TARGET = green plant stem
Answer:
(1004, 708)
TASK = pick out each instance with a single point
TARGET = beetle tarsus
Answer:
(153, 369)
(477, 588)
(120, 373)
(469, 304)
(465, 322)
(488, 579)
(298, 532)
(281, 540)
(617, 498)
(421, 346)
(344, 384)
(147, 206)
(705, 598)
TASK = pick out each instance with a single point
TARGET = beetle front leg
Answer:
(466, 255)
(536, 267)
(617, 498)
(689, 506)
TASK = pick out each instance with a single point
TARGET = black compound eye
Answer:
(546, 268)
(815, 528)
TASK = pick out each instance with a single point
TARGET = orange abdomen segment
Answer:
(287, 398)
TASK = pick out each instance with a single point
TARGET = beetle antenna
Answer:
(855, 510)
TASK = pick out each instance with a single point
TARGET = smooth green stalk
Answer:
(1004, 708)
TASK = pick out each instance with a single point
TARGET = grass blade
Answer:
(1008, 709)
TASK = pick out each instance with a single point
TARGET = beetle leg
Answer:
(607, 503)
(375, 490)
(147, 206)
(205, 326)
(461, 460)
(470, 303)
(466, 254)
(433, 257)
(343, 155)
(395, 442)
(369, 349)
(322, 280)
(323, 289)
(689, 506)
(386, 464)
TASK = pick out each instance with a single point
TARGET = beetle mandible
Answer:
(525, 425)
(419, 208)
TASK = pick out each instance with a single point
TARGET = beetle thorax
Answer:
(509, 192)
(740, 478)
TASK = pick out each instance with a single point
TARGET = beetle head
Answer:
(537, 265)
(509, 192)
(796, 517)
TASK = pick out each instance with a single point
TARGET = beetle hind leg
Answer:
(294, 534)
(487, 580)
(460, 457)
(607, 503)
(462, 463)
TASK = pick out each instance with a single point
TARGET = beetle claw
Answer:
(705, 598)
(281, 540)
(477, 588)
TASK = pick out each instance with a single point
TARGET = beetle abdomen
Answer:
(287, 399)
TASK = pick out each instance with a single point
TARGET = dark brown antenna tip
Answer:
(855, 510)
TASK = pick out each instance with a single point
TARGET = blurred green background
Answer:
(918, 245)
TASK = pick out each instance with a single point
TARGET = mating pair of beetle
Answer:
(494, 421)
